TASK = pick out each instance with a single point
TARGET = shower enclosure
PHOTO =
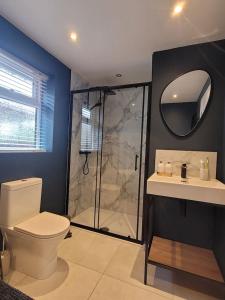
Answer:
(107, 159)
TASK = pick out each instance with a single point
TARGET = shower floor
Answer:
(119, 223)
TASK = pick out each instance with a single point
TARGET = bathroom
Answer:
(86, 148)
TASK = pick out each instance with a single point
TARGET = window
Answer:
(26, 109)
(90, 133)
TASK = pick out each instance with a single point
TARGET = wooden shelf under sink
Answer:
(184, 257)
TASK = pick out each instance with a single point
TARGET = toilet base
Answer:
(34, 257)
(38, 270)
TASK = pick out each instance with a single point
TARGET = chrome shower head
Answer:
(108, 91)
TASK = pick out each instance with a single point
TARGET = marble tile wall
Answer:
(82, 187)
(193, 157)
(121, 143)
(78, 183)
(122, 138)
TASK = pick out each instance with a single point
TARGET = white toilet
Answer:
(32, 237)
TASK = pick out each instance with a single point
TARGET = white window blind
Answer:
(90, 133)
(26, 109)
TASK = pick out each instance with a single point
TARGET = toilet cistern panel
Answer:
(19, 200)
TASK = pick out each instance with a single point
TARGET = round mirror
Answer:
(185, 100)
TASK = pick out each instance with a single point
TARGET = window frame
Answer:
(35, 101)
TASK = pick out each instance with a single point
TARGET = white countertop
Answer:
(212, 191)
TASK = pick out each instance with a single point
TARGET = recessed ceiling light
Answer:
(178, 8)
(175, 96)
(133, 104)
(73, 36)
(118, 75)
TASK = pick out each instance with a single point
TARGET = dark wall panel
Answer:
(219, 241)
(199, 224)
(49, 166)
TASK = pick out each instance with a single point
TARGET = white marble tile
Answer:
(121, 143)
(193, 157)
(77, 82)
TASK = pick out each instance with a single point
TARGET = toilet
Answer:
(32, 237)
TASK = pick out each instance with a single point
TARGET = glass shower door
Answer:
(84, 157)
(120, 205)
(107, 159)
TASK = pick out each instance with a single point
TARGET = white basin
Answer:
(212, 191)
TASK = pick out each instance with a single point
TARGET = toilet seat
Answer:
(45, 225)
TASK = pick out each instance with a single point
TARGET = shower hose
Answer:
(85, 166)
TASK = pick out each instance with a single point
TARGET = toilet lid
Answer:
(44, 225)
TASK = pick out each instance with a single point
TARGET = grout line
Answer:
(111, 259)
(171, 297)
(133, 284)
(89, 268)
(103, 273)
(97, 283)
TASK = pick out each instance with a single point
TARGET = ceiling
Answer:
(114, 36)
(186, 88)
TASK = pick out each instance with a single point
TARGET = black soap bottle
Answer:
(184, 172)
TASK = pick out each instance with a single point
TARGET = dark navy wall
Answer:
(219, 241)
(50, 166)
(203, 222)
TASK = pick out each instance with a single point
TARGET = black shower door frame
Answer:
(102, 90)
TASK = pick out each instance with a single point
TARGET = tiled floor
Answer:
(97, 267)
(117, 222)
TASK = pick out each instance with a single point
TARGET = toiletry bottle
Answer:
(184, 172)
(207, 168)
(168, 169)
(204, 169)
(160, 169)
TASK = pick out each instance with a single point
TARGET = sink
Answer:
(212, 191)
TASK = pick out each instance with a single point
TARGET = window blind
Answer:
(26, 108)
(90, 133)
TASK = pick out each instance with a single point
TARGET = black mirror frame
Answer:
(203, 115)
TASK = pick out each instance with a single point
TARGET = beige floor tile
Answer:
(70, 281)
(128, 265)
(74, 248)
(122, 263)
(89, 249)
(100, 252)
(112, 289)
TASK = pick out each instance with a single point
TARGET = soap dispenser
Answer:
(168, 169)
(161, 168)
(184, 172)
(204, 169)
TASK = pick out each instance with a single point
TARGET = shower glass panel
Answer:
(120, 165)
(84, 157)
(107, 159)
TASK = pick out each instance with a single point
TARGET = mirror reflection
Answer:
(184, 101)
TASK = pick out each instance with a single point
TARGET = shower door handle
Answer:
(136, 162)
